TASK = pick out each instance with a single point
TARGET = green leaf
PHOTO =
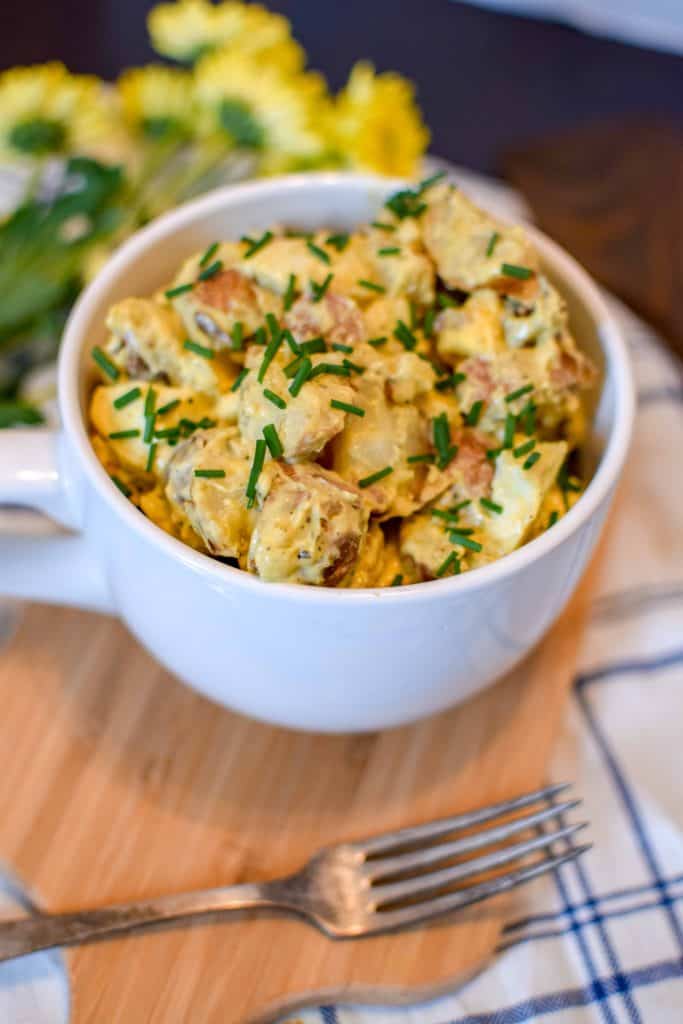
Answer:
(14, 414)
(238, 121)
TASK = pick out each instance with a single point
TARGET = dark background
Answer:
(485, 80)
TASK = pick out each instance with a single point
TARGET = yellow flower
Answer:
(376, 124)
(259, 107)
(157, 101)
(45, 110)
(188, 29)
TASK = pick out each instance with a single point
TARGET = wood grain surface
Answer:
(119, 783)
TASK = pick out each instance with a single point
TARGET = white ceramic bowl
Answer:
(309, 658)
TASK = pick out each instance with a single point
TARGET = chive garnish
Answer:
(382, 226)
(273, 325)
(179, 289)
(291, 368)
(509, 433)
(451, 381)
(532, 460)
(426, 457)
(268, 356)
(274, 398)
(260, 336)
(353, 367)
(208, 254)
(372, 286)
(148, 433)
(432, 180)
(211, 271)
(121, 435)
(512, 270)
(406, 203)
(491, 506)
(442, 436)
(519, 393)
(428, 323)
(237, 335)
(255, 244)
(168, 432)
(389, 250)
(150, 401)
(290, 293)
(308, 348)
(318, 290)
(151, 455)
(554, 516)
(451, 562)
(210, 474)
(528, 418)
(239, 379)
(294, 346)
(367, 481)
(345, 407)
(446, 301)
(464, 540)
(493, 241)
(461, 505)
(169, 407)
(339, 241)
(524, 449)
(493, 453)
(125, 491)
(317, 251)
(397, 580)
(256, 467)
(474, 415)
(130, 396)
(449, 515)
(333, 368)
(376, 342)
(405, 336)
(302, 375)
(338, 347)
(105, 364)
(200, 350)
(273, 441)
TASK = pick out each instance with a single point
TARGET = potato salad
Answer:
(373, 408)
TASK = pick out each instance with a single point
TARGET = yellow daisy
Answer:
(377, 125)
(157, 101)
(189, 29)
(260, 108)
(45, 110)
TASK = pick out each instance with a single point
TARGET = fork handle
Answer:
(45, 931)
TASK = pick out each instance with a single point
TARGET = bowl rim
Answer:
(564, 266)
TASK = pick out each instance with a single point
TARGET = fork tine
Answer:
(424, 856)
(389, 920)
(434, 829)
(390, 892)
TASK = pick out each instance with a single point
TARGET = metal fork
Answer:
(352, 889)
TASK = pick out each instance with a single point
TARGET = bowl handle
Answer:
(46, 563)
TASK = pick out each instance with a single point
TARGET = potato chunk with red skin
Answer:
(335, 318)
(211, 310)
(310, 526)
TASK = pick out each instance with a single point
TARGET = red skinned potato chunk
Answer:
(335, 318)
(309, 528)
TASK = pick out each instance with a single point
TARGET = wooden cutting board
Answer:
(119, 783)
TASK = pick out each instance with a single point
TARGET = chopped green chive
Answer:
(302, 375)
(125, 491)
(509, 433)
(491, 506)
(405, 336)
(397, 580)
(256, 467)
(150, 401)
(428, 323)
(254, 245)
(345, 407)
(124, 400)
(237, 335)
(268, 356)
(382, 226)
(446, 301)
(528, 418)
(512, 270)
(442, 441)
(406, 203)
(148, 433)
(367, 481)
(376, 342)
(448, 515)
(317, 251)
(210, 474)
(426, 457)
(291, 368)
(339, 241)
(294, 346)
(532, 460)
(554, 516)
(273, 325)
(208, 254)
(121, 435)
(199, 350)
(474, 415)
(105, 364)
(169, 407)
(338, 347)
(275, 399)
(318, 290)
(493, 241)
(493, 453)
(371, 285)
(211, 271)
(450, 565)
(451, 381)
(179, 289)
(389, 250)
(151, 455)
(461, 505)
(428, 182)
(273, 441)
(239, 379)
(168, 432)
(464, 540)
(260, 336)
(333, 368)
(308, 348)
(290, 293)
(353, 367)
(519, 393)
(524, 449)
